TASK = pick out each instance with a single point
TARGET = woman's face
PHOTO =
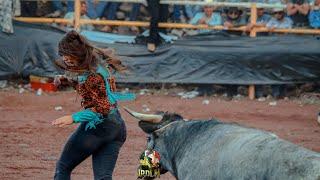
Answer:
(233, 14)
(260, 11)
(208, 10)
(279, 15)
(71, 61)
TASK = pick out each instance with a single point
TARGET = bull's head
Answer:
(149, 123)
(158, 127)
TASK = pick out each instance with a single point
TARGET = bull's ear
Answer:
(172, 117)
(148, 127)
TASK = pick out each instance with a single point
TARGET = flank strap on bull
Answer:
(149, 167)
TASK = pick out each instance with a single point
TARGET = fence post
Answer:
(77, 14)
(253, 33)
(253, 20)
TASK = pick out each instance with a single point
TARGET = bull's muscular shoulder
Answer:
(208, 129)
(210, 149)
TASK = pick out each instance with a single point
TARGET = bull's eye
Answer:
(148, 138)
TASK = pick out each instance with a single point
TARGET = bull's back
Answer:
(227, 151)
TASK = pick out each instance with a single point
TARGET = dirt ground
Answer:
(30, 146)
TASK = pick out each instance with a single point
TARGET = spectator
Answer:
(109, 13)
(134, 15)
(8, 9)
(262, 19)
(135, 11)
(298, 11)
(44, 8)
(314, 16)
(58, 9)
(158, 13)
(177, 15)
(6, 12)
(70, 5)
(279, 20)
(28, 8)
(83, 13)
(277, 91)
(192, 10)
(208, 16)
(16, 7)
(275, 1)
(95, 8)
(234, 18)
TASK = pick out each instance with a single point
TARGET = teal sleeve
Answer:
(69, 15)
(196, 18)
(89, 116)
(215, 20)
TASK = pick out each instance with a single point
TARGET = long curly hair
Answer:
(75, 45)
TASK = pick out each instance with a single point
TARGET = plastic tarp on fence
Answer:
(215, 58)
(30, 50)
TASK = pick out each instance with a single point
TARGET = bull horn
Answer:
(152, 118)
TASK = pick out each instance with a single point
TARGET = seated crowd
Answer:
(298, 14)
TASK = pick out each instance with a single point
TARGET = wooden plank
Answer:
(44, 20)
(163, 25)
(253, 20)
(77, 15)
(253, 33)
(251, 92)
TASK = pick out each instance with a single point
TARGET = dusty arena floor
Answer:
(30, 146)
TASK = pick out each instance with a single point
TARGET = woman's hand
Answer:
(57, 80)
(249, 27)
(228, 24)
(203, 21)
(63, 121)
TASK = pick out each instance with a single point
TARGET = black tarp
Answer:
(216, 58)
(30, 50)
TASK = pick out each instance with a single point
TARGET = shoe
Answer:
(107, 29)
(134, 30)
(177, 32)
(54, 14)
(151, 47)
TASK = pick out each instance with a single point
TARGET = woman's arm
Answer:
(304, 8)
(215, 20)
(291, 9)
(64, 80)
(195, 20)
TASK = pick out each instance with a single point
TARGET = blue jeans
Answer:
(159, 13)
(57, 5)
(135, 11)
(278, 91)
(70, 6)
(259, 91)
(92, 11)
(95, 11)
(110, 11)
(103, 143)
(176, 12)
